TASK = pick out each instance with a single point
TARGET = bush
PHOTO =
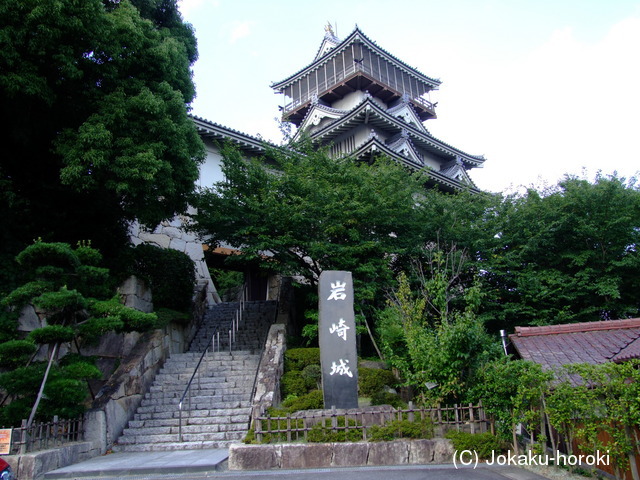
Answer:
(313, 400)
(373, 380)
(387, 398)
(323, 433)
(16, 352)
(312, 376)
(292, 384)
(422, 428)
(298, 358)
(52, 334)
(169, 273)
(483, 443)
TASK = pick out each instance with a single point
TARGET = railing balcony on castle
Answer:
(326, 85)
(46, 435)
(470, 418)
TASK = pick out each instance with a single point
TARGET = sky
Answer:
(541, 88)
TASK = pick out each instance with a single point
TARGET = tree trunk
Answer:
(44, 381)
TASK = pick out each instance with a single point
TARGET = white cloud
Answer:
(188, 7)
(240, 30)
(565, 107)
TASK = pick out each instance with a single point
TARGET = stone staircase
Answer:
(217, 409)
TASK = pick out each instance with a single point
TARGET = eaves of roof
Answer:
(375, 145)
(592, 342)
(419, 137)
(357, 34)
(245, 142)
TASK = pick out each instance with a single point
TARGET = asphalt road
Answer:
(418, 472)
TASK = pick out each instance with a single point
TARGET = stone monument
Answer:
(337, 336)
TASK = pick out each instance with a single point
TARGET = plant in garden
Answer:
(607, 399)
(432, 335)
(512, 392)
(67, 287)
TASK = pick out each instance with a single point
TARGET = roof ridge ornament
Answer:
(329, 33)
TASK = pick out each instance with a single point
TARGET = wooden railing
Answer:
(296, 427)
(45, 435)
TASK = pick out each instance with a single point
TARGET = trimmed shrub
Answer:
(16, 352)
(483, 443)
(421, 428)
(387, 398)
(298, 358)
(312, 376)
(313, 400)
(292, 384)
(323, 433)
(169, 273)
(373, 380)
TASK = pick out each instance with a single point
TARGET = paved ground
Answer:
(208, 464)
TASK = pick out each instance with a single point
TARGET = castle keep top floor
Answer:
(361, 101)
(354, 64)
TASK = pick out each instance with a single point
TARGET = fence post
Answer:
(24, 438)
(457, 416)
(410, 415)
(258, 425)
(334, 418)
(471, 419)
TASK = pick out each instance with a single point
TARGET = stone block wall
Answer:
(173, 234)
(267, 390)
(324, 455)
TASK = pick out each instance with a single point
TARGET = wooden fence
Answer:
(44, 435)
(296, 427)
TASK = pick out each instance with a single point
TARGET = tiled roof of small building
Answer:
(592, 342)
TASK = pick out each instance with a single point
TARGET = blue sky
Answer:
(541, 88)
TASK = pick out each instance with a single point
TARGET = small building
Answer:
(590, 342)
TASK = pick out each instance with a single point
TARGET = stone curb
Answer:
(354, 454)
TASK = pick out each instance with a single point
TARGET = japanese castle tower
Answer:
(363, 101)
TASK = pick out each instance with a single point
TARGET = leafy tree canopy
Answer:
(93, 105)
(69, 291)
(302, 212)
(565, 255)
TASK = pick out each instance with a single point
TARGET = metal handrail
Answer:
(235, 323)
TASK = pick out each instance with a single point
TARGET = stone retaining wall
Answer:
(323, 455)
(267, 390)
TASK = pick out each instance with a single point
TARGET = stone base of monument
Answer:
(322, 455)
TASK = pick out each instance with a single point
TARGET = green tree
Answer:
(610, 403)
(565, 255)
(302, 212)
(512, 392)
(94, 125)
(432, 334)
(69, 291)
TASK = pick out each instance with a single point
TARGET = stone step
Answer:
(190, 429)
(178, 381)
(201, 391)
(217, 410)
(159, 447)
(187, 437)
(192, 414)
(203, 406)
(198, 401)
(242, 419)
